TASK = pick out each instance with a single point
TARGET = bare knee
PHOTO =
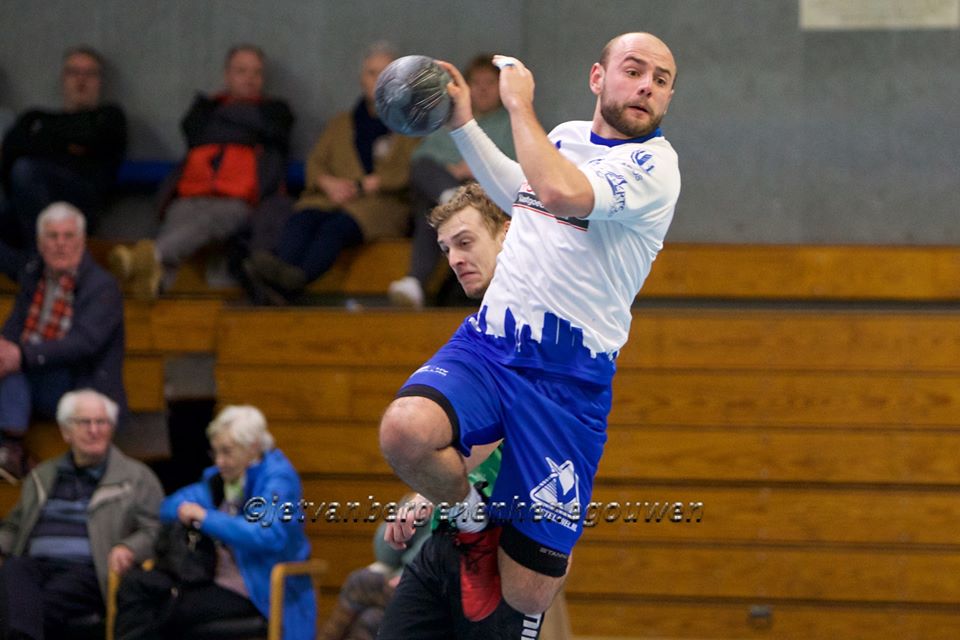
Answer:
(412, 428)
(526, 590)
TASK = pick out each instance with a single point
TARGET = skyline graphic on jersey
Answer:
(559, 349)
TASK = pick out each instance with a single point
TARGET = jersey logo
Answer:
(559, 494)
(527, 199)
(642, 158)
(616, 182)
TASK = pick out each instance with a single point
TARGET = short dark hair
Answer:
(244, 46)
(470, 195)
(478, 62)
(84, 50)
(379, 48)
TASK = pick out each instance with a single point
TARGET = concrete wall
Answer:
(784, 136)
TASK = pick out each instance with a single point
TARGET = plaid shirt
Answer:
(51, 311)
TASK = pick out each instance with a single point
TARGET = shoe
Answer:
(146, 271)
(277, 272)
(120, 263)
(261, 293)
(447, 195)
(13, 462)
(479, 574)
(406, 292)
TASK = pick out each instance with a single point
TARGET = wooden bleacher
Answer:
(154, 332)
(808, 397)
(822, 445)
(685, 271)
(682, 271)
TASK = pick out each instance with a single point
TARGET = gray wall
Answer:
(784, 136)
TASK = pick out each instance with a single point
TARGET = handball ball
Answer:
(411, 96)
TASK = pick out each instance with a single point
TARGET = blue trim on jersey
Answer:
(615, 142)
(560, 349)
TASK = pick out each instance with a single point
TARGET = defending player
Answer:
(591, 204)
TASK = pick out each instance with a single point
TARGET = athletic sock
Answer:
(468, 515)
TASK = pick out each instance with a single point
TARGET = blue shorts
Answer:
(553, 427)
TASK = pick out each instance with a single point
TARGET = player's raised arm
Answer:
(558, 183)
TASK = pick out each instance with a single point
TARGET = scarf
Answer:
(50, 319)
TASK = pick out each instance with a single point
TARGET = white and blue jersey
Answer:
(561, 294)
(534, 365)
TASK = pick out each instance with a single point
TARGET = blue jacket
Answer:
(93, 348)
(256, 547)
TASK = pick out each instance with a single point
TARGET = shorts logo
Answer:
(429, 368)
(559, 494)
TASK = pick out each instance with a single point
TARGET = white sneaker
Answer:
(406, 292)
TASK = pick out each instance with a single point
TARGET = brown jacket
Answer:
(383, 214)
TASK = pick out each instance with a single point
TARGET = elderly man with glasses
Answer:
(79, 515)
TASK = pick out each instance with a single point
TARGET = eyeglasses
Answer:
(86, 423)
(81, 73)
(223, 452)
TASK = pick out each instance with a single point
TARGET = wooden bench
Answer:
(819, 444)
(695, 271)
(155, 332)
(682, 271)
(820, 441)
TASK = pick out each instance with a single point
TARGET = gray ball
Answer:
(411, 96)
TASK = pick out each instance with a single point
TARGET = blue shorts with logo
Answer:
(553, 427)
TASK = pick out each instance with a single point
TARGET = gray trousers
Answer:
(192, 223)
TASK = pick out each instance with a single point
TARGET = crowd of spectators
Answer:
(94, 510)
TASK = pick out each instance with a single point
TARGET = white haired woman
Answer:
(248, 470)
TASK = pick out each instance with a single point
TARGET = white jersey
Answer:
(561, 294)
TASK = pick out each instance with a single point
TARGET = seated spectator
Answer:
(247, 466)
(238, 141)
(364, 595)
(356, 191)
(88, 511)
(65, 331)
(72, 155)
(437, 169)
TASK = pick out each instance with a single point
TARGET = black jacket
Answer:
(92, 142)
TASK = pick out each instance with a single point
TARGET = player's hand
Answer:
(516, 83)
(459, 92)
(411, 515)
(120, 559)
